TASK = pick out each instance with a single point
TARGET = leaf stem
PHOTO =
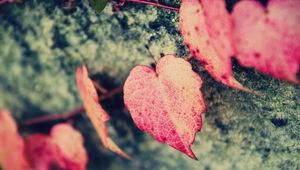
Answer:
(53, 117)
(153, 4)
(100, 88)
(68, 114)
(188, 58)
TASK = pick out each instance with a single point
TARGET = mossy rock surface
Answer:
(42, 43)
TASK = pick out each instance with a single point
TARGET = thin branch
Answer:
(100, 88)
(68, 114)
(53, 117)
(111, 93)
(153, 4)
(188, 58)
(150, 54)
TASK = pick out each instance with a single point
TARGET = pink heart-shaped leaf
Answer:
(166, 102)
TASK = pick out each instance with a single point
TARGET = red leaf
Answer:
(206, 30)
(70, 146)
(12, 149)
(41, 152)
(269, 39)
(166, 103)
(62, 150)
(94, 110)
(7, 1)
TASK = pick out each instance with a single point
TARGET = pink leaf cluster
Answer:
(166, 102)
(62, 149)
(265, 38)
(206, 30)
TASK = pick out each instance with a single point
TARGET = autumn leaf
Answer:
(91, 104)
(94, 110)
(70, 145)
(268, 38)
(63, 149)
(41, 152)
(9, 1)
(12, 150)
(206, 29)
(166, 102)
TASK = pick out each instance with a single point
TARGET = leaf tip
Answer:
(115, 148)
(192, 155)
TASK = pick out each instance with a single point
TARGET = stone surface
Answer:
(42, 43)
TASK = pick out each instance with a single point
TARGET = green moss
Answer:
(42, 43)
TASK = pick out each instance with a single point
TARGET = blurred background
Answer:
(42, 43)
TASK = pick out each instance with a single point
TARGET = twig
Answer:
(188, 58)
(53, 117)
(153, 4)
(111, 93)
(100, 88)
(68, 114)
(150, 54)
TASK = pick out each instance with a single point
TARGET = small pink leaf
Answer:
(206, 29)
(41, 152)
(12, 150)
(62, 150)
(70, 146)
(167, 103)
(8, 1)
(268, 39)
(94, 110)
